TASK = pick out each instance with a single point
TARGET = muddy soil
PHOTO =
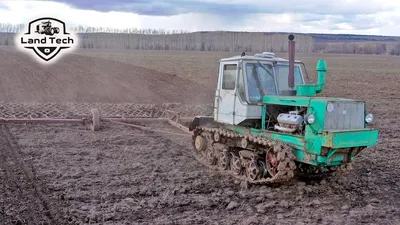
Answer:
(121, 175)
(66, 174)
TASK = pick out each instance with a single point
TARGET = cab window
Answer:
(229, 77)
(282, 73)
(260, 81)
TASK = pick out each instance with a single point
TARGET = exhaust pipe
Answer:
(306, 89)
(291, 61)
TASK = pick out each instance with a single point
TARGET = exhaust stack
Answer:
(291, 61)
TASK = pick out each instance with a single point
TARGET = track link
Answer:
(246, 157)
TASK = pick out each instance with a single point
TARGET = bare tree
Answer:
(381, 48)
(395, 50)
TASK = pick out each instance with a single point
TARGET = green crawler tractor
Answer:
(269, 124)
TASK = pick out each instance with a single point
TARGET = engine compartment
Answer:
(281, 118)
(286, 119)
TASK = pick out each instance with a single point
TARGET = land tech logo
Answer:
(46, 39)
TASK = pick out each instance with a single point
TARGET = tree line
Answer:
(16, 28)
(196, 41)
(355, 48)
(162, 39)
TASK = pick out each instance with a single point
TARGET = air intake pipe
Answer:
(321, 70)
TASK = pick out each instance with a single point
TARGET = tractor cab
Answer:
(245, 80)
(269, 76)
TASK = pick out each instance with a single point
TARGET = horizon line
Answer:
(168, 32)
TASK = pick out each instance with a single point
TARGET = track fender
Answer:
(201, 121)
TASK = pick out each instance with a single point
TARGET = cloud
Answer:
(18, 12)
(306, 16)
(235, 7)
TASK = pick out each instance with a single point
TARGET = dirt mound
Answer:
(89, 79)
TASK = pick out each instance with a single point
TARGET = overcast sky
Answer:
(379, 17)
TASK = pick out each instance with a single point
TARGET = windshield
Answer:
(282, 74)
(260, 81)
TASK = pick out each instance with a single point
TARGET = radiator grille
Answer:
(345, 115)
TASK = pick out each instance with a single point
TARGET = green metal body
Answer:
(313, 89)
(317, 146)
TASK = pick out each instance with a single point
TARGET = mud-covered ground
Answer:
(64, 174)
(125, 175)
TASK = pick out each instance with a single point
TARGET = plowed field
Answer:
(67, 174)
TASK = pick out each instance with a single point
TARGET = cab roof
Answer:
(266, 56)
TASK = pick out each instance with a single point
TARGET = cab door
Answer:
(226, 95)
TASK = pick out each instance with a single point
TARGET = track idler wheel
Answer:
(95, 126)
(200, 143)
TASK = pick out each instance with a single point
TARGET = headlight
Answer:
(310, 118)
(330, 107)
(369, 118)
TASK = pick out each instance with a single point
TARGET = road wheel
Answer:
(224, 160)
(200, 143)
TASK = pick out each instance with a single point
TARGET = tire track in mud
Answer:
(33, 206)
(8, 182)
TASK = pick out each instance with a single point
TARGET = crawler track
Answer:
(264, 162)
(251, 165)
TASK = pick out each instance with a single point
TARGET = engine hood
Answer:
(301, 100)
